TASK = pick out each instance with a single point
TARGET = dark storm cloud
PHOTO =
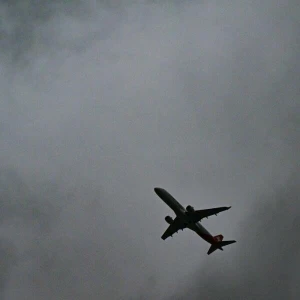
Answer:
(102, 101)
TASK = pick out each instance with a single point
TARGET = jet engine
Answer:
(169, 220)
(190, 208)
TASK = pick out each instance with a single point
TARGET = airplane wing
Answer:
(198, 215)
(173, 228)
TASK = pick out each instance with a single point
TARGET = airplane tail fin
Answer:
(219, 244)
(218, 238)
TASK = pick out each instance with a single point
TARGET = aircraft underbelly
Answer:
(202, 232)
(170, 201)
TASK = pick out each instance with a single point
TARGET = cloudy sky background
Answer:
(101, 101)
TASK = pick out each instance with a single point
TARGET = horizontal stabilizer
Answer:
(226, 243)
(219, 245)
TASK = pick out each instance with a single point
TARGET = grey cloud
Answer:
(71, 251)
(265, 262)
(103, 101)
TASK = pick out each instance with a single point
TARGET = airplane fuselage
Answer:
(182, 214)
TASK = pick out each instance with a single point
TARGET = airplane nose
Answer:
(157, 190)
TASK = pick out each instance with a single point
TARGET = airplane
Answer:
(190, 218)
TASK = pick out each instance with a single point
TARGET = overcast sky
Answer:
(101, 101)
